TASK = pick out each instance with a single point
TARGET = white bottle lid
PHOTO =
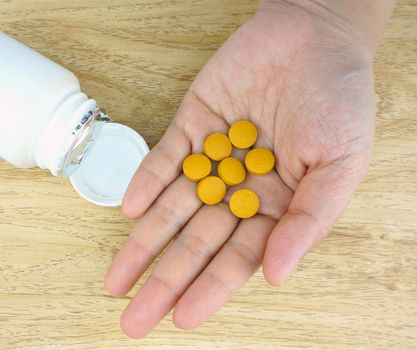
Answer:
(106, 170)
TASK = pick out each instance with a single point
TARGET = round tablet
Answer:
(243, 134)
(259, 161)
(211, 190)
(244, 203)
(196, 166)
(217, 146)
(231, 171)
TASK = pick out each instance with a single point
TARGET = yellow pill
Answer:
(259, 161)
(243, 134)
(244, 203)
(196, 166)
(211, 190)
(217, 146)
(231, 171)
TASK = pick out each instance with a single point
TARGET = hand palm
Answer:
(313, 106)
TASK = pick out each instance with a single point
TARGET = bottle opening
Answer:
(105, 171)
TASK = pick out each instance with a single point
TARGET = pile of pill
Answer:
(211, 188)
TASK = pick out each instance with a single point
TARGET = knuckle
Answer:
(196, 246)
(167, 285)
(164, 212)
(142, 249)
(217, 281)
(246, 255)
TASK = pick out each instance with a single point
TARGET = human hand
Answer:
(306, 82)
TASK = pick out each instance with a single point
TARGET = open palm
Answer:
(309, 90)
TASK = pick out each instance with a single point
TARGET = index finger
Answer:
(157, 170)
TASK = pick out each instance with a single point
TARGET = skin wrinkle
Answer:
(348, 152)
(223, 207)
(165, 213)
(246, 98)
(217, 281)
(268, 209)
(285, 69)
(254, 72)
(151, 173)
(275, 143)
(246, 254)
(364, 20)
(196, 246)
(276, 214)
(342, 145)
(174, 291)
(229, 96)
(209, 108)
(327, 15)
(275, 113)
(141, 247)
(322, 228)
(342, 168)
(257, 91)
(295, 177)
(269, 141)
(331, 73)
(172, 160)
(158, 175)
(177, 126)
(331, 147)
(220, 113)
(285, 87)
(322, 117)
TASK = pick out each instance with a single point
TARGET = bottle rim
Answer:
(81, 141)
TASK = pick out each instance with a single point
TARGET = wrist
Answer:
(362, 22)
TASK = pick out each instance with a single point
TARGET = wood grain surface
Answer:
(357, 290)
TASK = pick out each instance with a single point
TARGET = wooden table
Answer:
(358, 290)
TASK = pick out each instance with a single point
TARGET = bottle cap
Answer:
(106, 170)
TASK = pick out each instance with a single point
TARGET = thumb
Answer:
(319, 200)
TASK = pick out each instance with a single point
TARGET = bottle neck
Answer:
(69, 134)
(81, 141)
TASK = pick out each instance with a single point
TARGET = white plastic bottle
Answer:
(46, 121)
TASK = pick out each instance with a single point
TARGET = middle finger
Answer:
(198, 242)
